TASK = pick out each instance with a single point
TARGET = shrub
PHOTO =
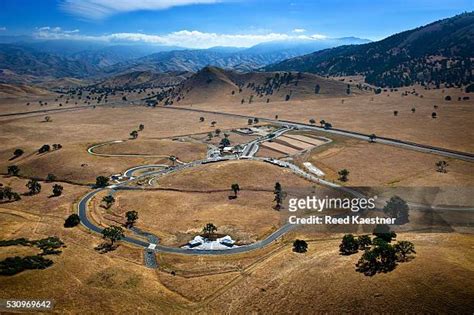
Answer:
(364, 242)
(349, 245)
(57, 190)
(383, 232)
(300, 246)
(13, 170)
(72, 221)
(50, 177)
(13, 265)
(18, 152)
(44, 148)
(404, 249)
(101, 181)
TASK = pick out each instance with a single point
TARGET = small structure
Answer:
(228, 150)
(202, 243)
(245, 131)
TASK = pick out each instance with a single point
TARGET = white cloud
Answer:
(3, 28)
(183, 38)
(48, 32)
(99, 9)
(299, 30)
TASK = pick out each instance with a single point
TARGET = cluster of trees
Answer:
(167, 96)
(46, 147)
(253, 121)
(6, 193)
(279, 196)
(134, 133)
(13, 265)
(272, 85)
(379, 254)
(33, 185)
(101, 181)
(100, 94)
(450, 71)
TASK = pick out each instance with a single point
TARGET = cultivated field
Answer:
(375, 114)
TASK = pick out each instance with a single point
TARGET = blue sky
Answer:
(206, 23)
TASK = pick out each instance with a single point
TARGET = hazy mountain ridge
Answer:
(58, 59)
(439, 52)
(227, 57)
(22, 60)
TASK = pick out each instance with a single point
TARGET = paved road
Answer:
(40, 111)
(82, 211)
(466, 156)
(82, 205)
(249, 152)
(90, 150)
(252, 147)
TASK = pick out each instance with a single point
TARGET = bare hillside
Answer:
(215, 84)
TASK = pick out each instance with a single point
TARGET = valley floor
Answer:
(270, 280)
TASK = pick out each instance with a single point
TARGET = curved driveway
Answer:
(250, 149)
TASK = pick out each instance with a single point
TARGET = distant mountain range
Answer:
(440, 52)
(81, 59)
(229, 58)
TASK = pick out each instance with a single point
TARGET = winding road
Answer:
(248, 153)
(250, 149)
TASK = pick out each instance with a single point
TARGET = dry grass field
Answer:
(200, 195)
(372, 164)
(324, 281)
(246, 219)
(274, 280)
(185, 151)
(78, 130)
(270, 280)
(374, 114)
(248, 174)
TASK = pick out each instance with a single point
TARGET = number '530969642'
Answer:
(26, 304)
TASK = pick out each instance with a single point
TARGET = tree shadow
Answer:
(105, 247)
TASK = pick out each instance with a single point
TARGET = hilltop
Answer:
(216, 84)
